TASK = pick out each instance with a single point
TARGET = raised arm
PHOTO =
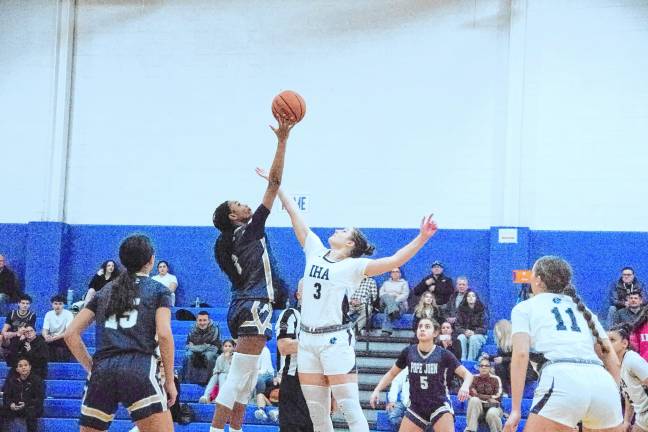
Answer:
(276, 170)
(404, 254)
(299, 226)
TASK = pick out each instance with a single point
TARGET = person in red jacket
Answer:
(639, 335)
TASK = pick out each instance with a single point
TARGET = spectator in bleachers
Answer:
(9, 286)
(202, 348)
(451, 308)
(106, 273)
(56, 322)
(167, 279)
(32, 347)
(361, 303)
(219, 374)
(502, 360)
(269, 398)
(631, 312)
(398, 399)
(471, 326)
(620, 289)
(639, 334)
(437, 283)
(484, 402)
(447, 339)
(393, 299)
(426, 308)
(16, 322)
(266, 371)
(23, 394)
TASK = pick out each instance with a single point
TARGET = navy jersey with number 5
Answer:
(134, 331)
(251, 259)
(428, 374)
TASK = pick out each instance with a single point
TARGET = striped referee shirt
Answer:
(287, 326)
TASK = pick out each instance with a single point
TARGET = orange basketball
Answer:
(289, 104)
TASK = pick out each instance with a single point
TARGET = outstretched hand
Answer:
(285, 125)
(262, 173)
(428, 227)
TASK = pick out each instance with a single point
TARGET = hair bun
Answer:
(369, 250)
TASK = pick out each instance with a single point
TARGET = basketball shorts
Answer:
(326, 353)
(247, 317)
(427, 417)
(133, 379)
(568, 393)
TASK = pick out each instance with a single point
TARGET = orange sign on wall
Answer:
(521, 276)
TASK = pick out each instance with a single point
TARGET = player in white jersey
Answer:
(634, 378)
(574, 384)
(326, 358)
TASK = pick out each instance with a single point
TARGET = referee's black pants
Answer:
(293, 411)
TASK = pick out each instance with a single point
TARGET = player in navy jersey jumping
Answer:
(428, 365)
(241, 253)
(133, 318)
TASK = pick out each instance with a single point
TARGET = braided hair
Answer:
(224, 246)
(556, 273)
(134, 252)
(624, 330)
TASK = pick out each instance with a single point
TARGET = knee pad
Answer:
(318, 400)
(244, 367)
(348, 399)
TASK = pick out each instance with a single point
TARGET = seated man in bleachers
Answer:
(361, 303)
(202, 349)
(393, 299)
(16, 322)
(620, 289)
(452, 306)
(485, 392)
(437, 283)
(631, 312)
(56, 322)
(398, 399)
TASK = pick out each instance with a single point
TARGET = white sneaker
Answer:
(274, 415)
(203, 400)
(259, 414)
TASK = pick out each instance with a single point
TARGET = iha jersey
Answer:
(328, 284)
(556, 327)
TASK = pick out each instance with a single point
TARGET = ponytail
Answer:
(570, 290)
(361, 244)
(224, 246)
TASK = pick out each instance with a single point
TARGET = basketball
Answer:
(289, 104)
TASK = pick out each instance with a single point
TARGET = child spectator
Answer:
(485, 393)
(203, 346)
(219, 374)
(106, 273)
(167, 279)
(23, 395)
(471, 326)
(269, 398)
(393, 299)
(437, 283)
(426, 308)
(56, 322)
(398, 399)
(32, 347)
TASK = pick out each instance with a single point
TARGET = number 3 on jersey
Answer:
(560, 323)
(318, 291)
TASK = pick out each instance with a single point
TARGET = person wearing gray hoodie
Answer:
(202, 349)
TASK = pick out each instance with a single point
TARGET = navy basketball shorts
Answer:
(425, 417)
(250, 318)
(132, 379)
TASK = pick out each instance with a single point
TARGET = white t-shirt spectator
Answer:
(166, 279)
(57, 324)
(265, 362)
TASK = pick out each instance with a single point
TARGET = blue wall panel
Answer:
(13, 245)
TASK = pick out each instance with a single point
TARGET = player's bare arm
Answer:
(73, 338)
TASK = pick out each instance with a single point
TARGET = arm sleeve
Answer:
(312, 244)
(256, 227)
(520, 319)
(401, 361)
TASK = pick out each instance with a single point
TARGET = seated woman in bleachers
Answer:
(167, 279)
(393, 299)
(447, 339)
(23, 395)
(471, 326)
(106, 273)
(426, 308)
(221, 369)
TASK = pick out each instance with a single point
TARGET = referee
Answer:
(293, 411)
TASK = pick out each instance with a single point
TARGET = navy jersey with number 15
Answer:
(427, 376)
(134, 331)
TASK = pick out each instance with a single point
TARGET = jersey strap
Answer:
(326, 329)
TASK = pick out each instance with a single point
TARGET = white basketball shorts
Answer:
(326, 353)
